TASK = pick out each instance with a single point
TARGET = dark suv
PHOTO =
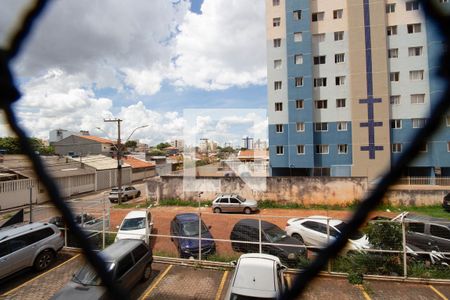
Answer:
(446, 202)
(428, 233)
(185, 232)
(274, 240)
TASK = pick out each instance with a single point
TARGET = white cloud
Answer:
(222, 47)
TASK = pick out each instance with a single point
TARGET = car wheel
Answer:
(217, 210)
(43, 260)
(147, 272)
(125, 198)
(138, 194)
(247, 211)
(298, 237)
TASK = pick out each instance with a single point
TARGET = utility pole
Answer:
(119, 164)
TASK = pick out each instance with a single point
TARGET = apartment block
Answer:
(349, 83)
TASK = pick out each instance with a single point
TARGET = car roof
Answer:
(228, 195)
(255, 223)
(427, 219)
(255, 275)
(136, 214)
(187, 217)
(119, 249)
(322, 220)
(21, 228)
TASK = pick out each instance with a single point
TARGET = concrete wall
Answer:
(415, 197)
(301, 190)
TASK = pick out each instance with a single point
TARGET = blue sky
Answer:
(143, 63)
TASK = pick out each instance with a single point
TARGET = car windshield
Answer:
(191, 228)
(240, 198)
(355, 236)
(242, 297)
(275, 234)
(133, 224)
(87, 276)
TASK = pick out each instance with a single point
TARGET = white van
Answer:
(137, 224)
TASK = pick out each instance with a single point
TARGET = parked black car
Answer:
(446, 202)
(186, 226)
(128, 261)
(272, 236)
(428, 234)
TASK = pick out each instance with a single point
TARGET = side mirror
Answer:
(117, 227)
(233, 263)
(151, 223)
(209, 227)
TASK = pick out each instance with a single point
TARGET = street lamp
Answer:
(119, 154)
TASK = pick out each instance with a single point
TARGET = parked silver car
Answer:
(129, 261)
(31, 245)
(233, 203)
(127, 192)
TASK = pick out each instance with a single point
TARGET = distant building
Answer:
(59, 134)
(179, 144)
(75, 145)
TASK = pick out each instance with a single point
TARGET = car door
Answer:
(440, 237)
(224, 204)
(5, 268)
(309, 231)
(415, 235)
(21, 252)
(124, 272)
(235, 205)
(174, 231)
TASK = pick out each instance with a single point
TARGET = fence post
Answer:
(260, 235)
(405, 266)
(103, 225)
(65, 234)
(328, 242)
(199, 236)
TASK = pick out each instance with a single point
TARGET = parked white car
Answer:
(137, 224)
(313, 232)
(257, 276)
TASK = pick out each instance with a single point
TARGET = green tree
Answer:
(385, 235)
(12, 146)
(156, 152)
(131, 144)
(161, 146)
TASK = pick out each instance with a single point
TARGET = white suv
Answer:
(137, 224)
(257, 276)
(313, 232)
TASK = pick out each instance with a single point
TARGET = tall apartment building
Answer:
(349, 82)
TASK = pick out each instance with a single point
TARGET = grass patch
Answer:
(179, 202)
(429, 210)
(286, 205)
(164, 253)
(131, 205)
(223, 257)
(419, 269)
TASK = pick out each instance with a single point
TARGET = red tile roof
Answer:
(97, 139)
(136, 163)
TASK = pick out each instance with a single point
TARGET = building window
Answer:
(390, 8)
(276, 22)
(414, 28)
(318, 82)
(277, 85)
(318, 37)
(423, 147)
(394, 76)
(418, 123)
(416, 75)
(276, 43)
(396, 148)
(279, 128)
(340, 80)
(412, 5)
(415, 51)
(297, 14)
(395, 99)
(340, 103)
(299, 103)
(342, 148)
(277, 64)
(322, 149)
(318, 16)
(300, 149)
(321, 104)
(300, 126)
(280, 150)
(339, 58)
(393, 53)
(298, 59)
(396, 124)
(417, 98)
(275, 2)
(298, 37)
(321, 126)
(319, 60)
(337, 14)
(338, 35)
(392, 30)
(278, 106)
(298, 81)
(342, 126)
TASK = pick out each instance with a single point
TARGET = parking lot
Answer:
(170, 281)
